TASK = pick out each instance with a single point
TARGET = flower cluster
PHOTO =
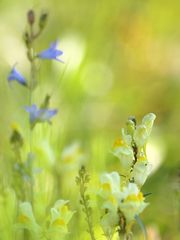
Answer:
(122, 199)
(130, 149)
(55, 224)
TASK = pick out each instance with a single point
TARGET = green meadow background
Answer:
(121, 58)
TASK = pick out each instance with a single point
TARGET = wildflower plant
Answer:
(122, 198)
(55, 223)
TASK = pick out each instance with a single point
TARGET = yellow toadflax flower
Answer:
(72, 156)
(111, 195)
(109, 185)
(141, 171)
(122, 149)
(26, 218)
(60, 217)
(133, 203)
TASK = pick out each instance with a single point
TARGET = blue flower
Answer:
(51, 53)
(15, 75)
(40, 114)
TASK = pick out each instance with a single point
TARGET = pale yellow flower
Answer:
(141, 171)
(26, 218)
(110, 190)
(123, 151)
(60, 217)
(133, 202)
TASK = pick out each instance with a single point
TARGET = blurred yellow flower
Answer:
(60, 217)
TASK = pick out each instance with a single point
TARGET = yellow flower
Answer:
(60, 216)
(26, 218)
(134, 197)
(133, 203)
(109, 184)
(118, 143)
(110, 190)
(59, 223)
(122, 149)
(23, 219)
(141, 171)
(72, 156)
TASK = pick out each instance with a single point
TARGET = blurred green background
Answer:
(121, 58)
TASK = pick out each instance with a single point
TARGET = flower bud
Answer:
(130, 127)
(133, 119)
(31, 17)
(43, 20)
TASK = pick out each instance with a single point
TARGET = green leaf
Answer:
(140, 223)
(146, 194)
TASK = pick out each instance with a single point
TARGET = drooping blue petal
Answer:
(54, 45)
(33, 113)
(51, 53)
(40, 114)
(47, 114)
(14, 75)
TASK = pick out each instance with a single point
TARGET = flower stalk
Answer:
(30, 55)
(82, 180)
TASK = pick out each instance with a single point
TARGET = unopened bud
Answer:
(132, 118)
(43, 20)
(130, 126)
(31, 17)
(46, 101)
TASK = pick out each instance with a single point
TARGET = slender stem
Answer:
(32, 81)
(30, 54)
(91, 232)
(37, 34)
(82, 181)
(122, 225)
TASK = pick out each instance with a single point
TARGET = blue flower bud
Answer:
(14, 75)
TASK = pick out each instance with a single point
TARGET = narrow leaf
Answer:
(140, 223)
(146, 194)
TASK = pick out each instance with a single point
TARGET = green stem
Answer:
(82, 181)
(31, 58)
(90, 227)
(30, 130)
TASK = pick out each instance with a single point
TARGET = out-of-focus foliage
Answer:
(121, 58)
